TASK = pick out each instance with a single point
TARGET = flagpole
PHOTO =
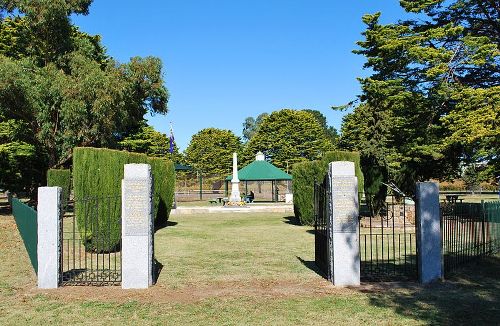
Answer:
(171, 150)
(171, 139)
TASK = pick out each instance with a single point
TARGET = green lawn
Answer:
(476, 198)
(238, 270)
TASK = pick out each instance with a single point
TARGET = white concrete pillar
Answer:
(137, 227)
(430, 267)
(235, 196)
(48, 251)
(344, 259)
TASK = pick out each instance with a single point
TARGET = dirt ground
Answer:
(189, 293)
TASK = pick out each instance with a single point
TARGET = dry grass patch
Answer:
(237, 270)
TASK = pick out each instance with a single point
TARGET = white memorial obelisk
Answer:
(235, 183)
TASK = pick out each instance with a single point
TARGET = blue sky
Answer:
(225, 60)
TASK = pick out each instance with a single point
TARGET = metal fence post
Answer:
(483, 217)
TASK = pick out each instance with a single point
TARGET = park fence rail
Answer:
(27, 222)
(470, 231)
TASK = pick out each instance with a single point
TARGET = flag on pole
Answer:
(171, 139)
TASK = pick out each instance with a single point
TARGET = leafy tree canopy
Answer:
(432, 99)
(287, 137)
(330, 131)
(211, 151)
(251, 125)
(151, 142)
(21, 160)
(60, 83)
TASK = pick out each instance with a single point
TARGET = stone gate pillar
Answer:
(343, 224)
(48, 230)
(137, 227)
(428, 223)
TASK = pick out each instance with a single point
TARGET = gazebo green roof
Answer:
(261, 171)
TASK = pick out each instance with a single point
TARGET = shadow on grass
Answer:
(291, 220)
(470, 296)
(157, 267)
(164, 224)
(312, 266)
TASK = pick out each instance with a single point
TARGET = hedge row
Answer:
(305, 173)
(60, 178)
(97, 175)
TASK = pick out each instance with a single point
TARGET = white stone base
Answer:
(346, 260)
(136, 263)
(235, 196)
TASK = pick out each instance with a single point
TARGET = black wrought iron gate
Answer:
(388, 242)
(320, 228)
(90, 242)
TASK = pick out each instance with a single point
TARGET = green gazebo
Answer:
(260, 170)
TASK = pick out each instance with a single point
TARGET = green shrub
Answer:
(60, 178)
(375, 175)
(98, 174)
(345, 156)
(305, 173)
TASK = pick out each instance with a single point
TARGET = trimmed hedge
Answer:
(305, 173)
(60, 178)
(98, 174)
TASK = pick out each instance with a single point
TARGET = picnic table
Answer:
(452, 198)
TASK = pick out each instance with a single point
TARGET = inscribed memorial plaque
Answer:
(136, 207)
(345, 206)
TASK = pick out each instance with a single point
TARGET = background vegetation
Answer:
(287, 137)
(306, 173)
(60, 178)
(430, 109)
(60, 89)
(211, 151)
(97, 175)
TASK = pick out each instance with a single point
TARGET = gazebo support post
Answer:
(246, 188)
(275, 191)
(272, 190)
(201, 185)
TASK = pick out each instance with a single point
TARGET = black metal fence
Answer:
(388, 242)
(90, 242)
(470, 231)
(320, 228)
